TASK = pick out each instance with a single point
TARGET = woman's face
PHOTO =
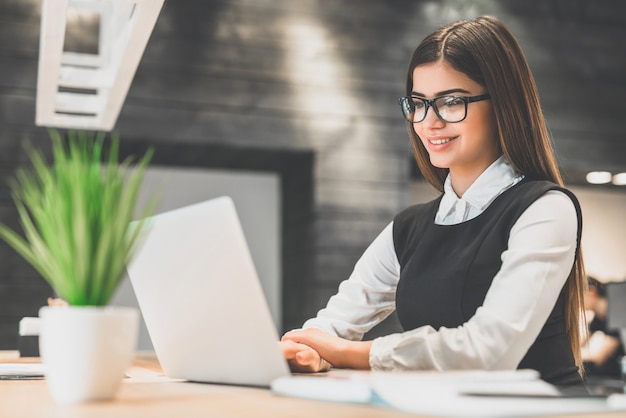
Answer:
(468, 147)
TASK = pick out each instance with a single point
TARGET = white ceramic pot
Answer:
(87, 350)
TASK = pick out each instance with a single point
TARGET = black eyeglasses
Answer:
(449, 109)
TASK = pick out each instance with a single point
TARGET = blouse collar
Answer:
(497, 178)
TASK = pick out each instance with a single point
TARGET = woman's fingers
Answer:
(301, 358)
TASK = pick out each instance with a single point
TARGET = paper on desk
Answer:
(493, 394)
(21, 370)
(351, 386)
(501, 394)
(331, 388)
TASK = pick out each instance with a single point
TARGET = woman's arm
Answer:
(363, 300)
(367, 297)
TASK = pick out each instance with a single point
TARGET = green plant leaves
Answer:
(76, 214)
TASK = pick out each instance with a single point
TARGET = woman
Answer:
(489, 275)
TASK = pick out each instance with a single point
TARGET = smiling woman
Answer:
(489, 274)
(466, 144)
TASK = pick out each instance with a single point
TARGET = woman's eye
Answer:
(452, 101)
(418, 104)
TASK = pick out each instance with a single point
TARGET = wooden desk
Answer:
(147, 393)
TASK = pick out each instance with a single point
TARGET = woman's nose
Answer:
(432, 120)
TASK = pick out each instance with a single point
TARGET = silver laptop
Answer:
(201, 298)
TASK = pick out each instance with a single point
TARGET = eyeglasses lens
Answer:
(448, 109)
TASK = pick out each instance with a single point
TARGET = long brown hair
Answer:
(486, 51)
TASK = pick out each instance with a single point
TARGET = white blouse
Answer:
(540, 255)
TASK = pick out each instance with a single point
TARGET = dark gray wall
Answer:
(222, 81)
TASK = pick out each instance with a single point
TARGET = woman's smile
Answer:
(438, 140)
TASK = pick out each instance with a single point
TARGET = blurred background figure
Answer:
(603, 349)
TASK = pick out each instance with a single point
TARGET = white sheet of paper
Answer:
(500, 394)
(22, 369)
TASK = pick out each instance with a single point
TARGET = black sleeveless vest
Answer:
(446, 270)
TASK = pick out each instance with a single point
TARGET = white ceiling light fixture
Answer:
(87, 90)
(598, 177)
(619, 179)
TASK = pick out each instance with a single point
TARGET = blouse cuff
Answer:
(381, 350)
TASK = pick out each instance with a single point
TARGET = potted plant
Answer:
(76, 218)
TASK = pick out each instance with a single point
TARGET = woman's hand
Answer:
(302, 358)
(337, 351)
